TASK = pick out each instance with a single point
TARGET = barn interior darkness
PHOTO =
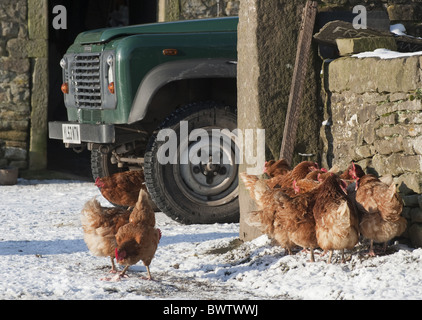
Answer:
(83, 15)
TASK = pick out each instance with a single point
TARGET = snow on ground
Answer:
(43, 256)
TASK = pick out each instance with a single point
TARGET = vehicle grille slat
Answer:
(84, 75)
(90, 87)
(86, 80)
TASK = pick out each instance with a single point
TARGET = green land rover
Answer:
(127, 89)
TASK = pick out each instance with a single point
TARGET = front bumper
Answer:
(94, 133)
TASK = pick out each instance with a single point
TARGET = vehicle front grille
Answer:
(86, 80)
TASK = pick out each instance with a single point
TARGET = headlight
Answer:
(63, 63)
(110, 60)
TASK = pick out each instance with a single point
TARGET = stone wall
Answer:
(407, 12)
(15, 96)
(193, 9)
(23, 84)
(171, 10)
(373, 116)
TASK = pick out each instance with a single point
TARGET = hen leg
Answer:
(312, 255)
(331, 255)
(113, 266)
(123, 273)
(371, 249)
(384, 249)
(149, 274)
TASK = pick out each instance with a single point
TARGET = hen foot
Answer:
(115, 278)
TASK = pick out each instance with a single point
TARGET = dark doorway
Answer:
(83, 15)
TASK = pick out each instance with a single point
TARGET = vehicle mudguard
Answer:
(174, 71)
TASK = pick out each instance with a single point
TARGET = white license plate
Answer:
(71, 133)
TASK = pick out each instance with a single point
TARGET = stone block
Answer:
(3, 163)
(9, 29)
(399, 130)
(38, 131)
(171, 11)
(416, 215)
(15, 153)
(38, 19)
(2, 148)
(385, 109)
(398, 96)
(388, 165)
(37, 48)
(405, 12)
(409, 183)
(389, 146)
(23, 48)
(14, 124)
(406, 213)
(374, 75)
(397, 164)
(411, 200)
(17, 48)
(413, 145)
(13, 64)
(366, 112)
(21, 164)
(415, 234)
(10, 9)
(363, 151)
(410, 117)
(388, 119)
(40, 81)
(368, 132)
(13, 135)
(356, 45)
(411, 163)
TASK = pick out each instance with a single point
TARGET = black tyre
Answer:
(101, 165)
(201, 191)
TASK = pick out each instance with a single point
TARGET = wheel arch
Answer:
(174, 72)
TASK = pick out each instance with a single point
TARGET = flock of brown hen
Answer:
(304, 206)
(127, 235)
(315, 208)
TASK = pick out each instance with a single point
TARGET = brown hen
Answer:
(289, 221)
(122, 188)
(100, 225)
(381, 208)
(335, 217)
(276, 168)
(297, 173)
(138, 240)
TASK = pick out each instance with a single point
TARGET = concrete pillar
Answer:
(37, 47)
(267, 43)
